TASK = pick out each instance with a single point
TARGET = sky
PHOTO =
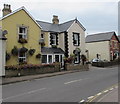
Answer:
(95, 15)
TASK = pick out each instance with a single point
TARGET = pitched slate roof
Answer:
(50, 50)
(99, 37)
(50, 27)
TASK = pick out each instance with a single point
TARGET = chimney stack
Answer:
(55, 19)
(6, 10)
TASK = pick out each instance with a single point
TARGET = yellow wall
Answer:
(11, 24)
(46, 38)
(0, 24)
(101, 48)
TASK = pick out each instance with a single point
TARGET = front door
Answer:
(59, 58)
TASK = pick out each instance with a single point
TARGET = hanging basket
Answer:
(23, 50)
(31, 51)
(38, 55)
(7, 56)
(14, 51)
(22, 40)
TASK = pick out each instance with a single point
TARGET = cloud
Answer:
(95, 15)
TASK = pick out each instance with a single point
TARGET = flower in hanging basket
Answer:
(42, 44)
(14, 51)
(22, 40)
(23, 50)
(38, 55)
(31, 51)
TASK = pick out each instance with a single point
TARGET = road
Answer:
(72, 87)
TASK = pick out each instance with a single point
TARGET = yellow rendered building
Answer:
(23, 36)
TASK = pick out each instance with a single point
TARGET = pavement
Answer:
(111, 96)
(9, 80)
(108, 95)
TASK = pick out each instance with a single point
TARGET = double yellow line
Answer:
(102, 92)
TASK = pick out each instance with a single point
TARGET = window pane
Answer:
(22, 30)
(50, 59)
(42, 36)
(77, 59)
(56, 58)
(21, 54)
(54, 39)
(75, 39)
(44, 58)
(22, 57)
(20, 36)
(60, 58)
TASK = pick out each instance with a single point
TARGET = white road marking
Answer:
(111, 89)
(30, 92)
(104, 96)
(99, 94)
(82, 101)
(90, 97)
(75, 81)
(106, 91)
(72, 81)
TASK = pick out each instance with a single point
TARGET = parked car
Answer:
(96, 60)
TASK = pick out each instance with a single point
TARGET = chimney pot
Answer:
(6, 10)
(55, 19)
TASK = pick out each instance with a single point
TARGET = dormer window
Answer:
(22, 32)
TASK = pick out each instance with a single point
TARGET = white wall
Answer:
(2, 56)
(76, 28)
(101, 48)
(1, 59)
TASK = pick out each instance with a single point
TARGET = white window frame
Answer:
(59, 57)
(54, 39)
(24, 57)
(48, 57)
(41, 36)
(77, 57)
(76, 38)
(24, 35)
(53, 58)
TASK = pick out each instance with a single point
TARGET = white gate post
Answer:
(2, 53)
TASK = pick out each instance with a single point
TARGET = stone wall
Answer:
(76, 67)
(32, 71)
